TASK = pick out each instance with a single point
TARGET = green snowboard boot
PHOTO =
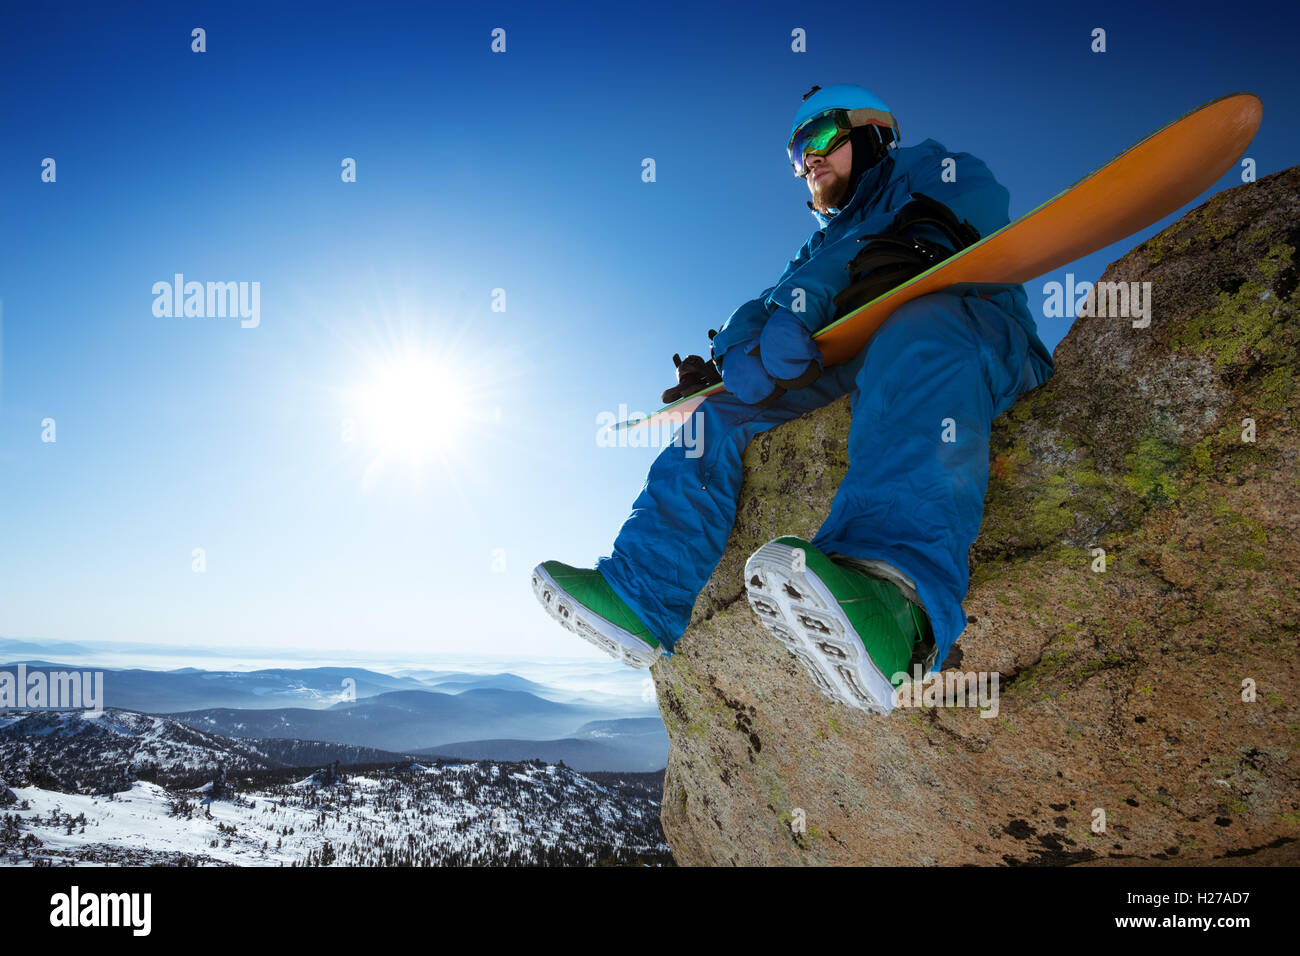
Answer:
(855, 632)
(582, 600)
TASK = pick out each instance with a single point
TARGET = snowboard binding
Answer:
(693, 374)
(891, 258)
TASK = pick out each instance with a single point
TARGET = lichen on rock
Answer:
(1121, 690)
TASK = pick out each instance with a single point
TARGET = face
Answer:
(828, 177)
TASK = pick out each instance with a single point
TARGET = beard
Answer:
(828, 192)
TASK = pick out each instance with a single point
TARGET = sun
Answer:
(413, 409)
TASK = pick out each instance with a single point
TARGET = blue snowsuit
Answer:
(909, 498)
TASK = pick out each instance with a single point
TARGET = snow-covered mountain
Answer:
(137, 789)
(411, 815)
(65, 750)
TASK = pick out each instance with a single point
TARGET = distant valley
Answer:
(430, 712)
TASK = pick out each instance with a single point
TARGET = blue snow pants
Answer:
(944, 365)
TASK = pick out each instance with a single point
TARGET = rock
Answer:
(1121, 690)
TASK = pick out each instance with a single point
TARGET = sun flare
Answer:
(413, 409)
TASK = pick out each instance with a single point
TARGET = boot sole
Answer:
(800, 611)
(590, 626)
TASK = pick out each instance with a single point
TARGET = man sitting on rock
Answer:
(879, 588)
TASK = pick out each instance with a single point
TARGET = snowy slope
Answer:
(458, 814)
(65, 750)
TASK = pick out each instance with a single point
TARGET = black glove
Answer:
(693, 374)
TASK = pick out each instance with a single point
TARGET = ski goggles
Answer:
(826, 132)
(820, 136)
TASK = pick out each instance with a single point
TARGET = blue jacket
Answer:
(820, 268)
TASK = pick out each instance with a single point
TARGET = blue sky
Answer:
(475, 171)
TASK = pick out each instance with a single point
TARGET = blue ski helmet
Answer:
(864, 107)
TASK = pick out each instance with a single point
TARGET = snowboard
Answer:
(1141, 185)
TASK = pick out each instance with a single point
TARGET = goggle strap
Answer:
(869, 117)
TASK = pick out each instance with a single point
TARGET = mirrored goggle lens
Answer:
(816, 136)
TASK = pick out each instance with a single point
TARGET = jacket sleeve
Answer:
(975, 196)
(748, 320)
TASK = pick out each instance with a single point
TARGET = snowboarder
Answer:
(879, 587)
